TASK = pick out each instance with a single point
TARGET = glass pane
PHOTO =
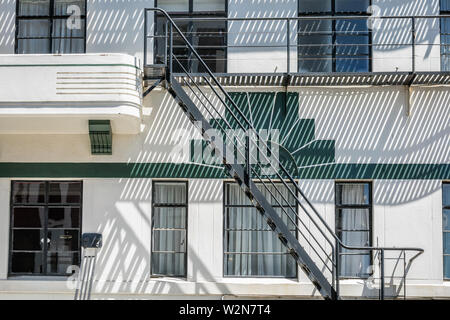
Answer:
(28, 192)
(60, 29)
(169, 264)
(28, 217)
(170, 193)
(254, 242)
(33, 46)
(353, 194)
(355, 266)
(64, 192)
(315, 64)
(28, 239)
(447, 267)
(352, 5)
(68, 46)
(446, 220)
(445, 5)
(57, 262)
(352, 64)
(63, 217)
(353, 219)
(169, 240)
(63, 240)
(315, 46)
(446, 242)
(27, 262)
(309, 6)
(61, 7)
(267, 265)
(169, 218)
(34, 7)
(34, 28)
(446, 194)
(209, 5)
(355, 239)
(174, 5)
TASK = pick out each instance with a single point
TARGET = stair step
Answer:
(154, 71)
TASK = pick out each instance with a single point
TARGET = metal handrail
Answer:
(339, 244)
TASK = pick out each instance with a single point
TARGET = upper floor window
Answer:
(45, 227)
(445, 36)
(251, 248)
(354, 227)
(337, 45)
(446, 227)
(207, 37)
(50, 26)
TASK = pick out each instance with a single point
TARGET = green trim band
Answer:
(170, 170)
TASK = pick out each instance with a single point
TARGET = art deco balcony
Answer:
(61, 93)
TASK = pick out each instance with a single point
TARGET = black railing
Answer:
(307, 44)
(314, 232)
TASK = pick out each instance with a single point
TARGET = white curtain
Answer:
(169, 230)
(253, 248)
(355, 223)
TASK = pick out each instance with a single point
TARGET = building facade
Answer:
(352, 97)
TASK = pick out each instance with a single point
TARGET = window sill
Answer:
(39, 278)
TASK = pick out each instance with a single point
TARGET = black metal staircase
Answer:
(202, 98)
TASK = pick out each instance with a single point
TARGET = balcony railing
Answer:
(307, 46)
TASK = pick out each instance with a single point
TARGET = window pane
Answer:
(254, 241)
(446, 242)
(27, 262)
(310, 6)
(169, 264)
(169, 218)
(60, 29)
(355, 265)
(446, 194)
(353, 219)
(63, 240)
(63, 217)
(68, 46)
(269, 265)
(28, 192)
(28, 239)
(445, 5)
(174, 5)
(352, 64)
(355, 239)
(447, 267)
(353, 194)
(170, 193)
(34, 7)
(64, 192)
(446, 220)
(209, 5)
(169, 240)
(61, 7)
(352, 5)
(58, 262)
(34, 28)
(28, 217)
(33, 46)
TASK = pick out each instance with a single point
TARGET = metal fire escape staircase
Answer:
(204, 100)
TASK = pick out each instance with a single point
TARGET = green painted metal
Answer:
(100, 135)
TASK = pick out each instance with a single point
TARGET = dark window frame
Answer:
(224, 237)
(333, 32)
(12, 205)
(50, 17)
(444, 231)
(166, 205)
(346, 206)
(441, 34)
(191, 14)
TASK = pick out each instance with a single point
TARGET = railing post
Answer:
(288, 45)
(145, 37)
(170, 52)
(247, 160)
(336, 270)
(413, 31)
(404, 274)
(166, 39)
(382, 274)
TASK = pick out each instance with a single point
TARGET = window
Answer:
(340, 45)
(207, 37)
(445, 36)
(169, 228)
(354, 227)
(446, 227)
(50, 26)
(45, 227)
(251, 248)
